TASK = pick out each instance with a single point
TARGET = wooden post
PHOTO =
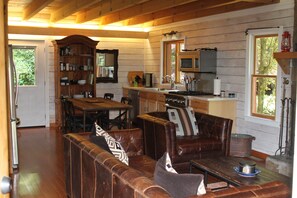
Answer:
(4, 146)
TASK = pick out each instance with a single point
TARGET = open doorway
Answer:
(29, 59)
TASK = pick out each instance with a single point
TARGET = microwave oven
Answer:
(198, 61)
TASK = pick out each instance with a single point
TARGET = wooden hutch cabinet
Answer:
(74, 63)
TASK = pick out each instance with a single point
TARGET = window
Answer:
(24, 60)
(170, 66)
(264, 77)
(262, 96)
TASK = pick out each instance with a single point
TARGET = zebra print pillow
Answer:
(115, 147)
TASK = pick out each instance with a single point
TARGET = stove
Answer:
(189, 93)
(180, 98)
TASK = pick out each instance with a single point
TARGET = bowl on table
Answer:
(81, 82)
(246, 169)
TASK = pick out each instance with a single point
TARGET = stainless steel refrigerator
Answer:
(14, 121)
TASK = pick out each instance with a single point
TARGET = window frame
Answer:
(250, 66)
(26, 47)
(255, 75)
(163, 60)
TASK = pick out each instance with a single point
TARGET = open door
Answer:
(4, 146)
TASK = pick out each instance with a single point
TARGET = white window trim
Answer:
(249, 63)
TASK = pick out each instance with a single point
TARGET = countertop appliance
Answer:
(148, 78)
(202, 60)
(14, 121)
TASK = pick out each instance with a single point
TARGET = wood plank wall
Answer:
(228, 35)
(131, 58)
(225, 33)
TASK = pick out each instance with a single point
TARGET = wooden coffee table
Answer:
(223, 169)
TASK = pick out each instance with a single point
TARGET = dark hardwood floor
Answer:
(41, 169)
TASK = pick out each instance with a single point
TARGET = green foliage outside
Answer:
(173, 63)
(265, 64)
(24, 60)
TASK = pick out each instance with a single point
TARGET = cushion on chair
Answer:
(115, 147)
(177, 185)
(184, 120)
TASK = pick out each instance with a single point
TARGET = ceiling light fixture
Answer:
(173, 35)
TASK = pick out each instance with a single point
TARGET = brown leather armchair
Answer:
(160, 135)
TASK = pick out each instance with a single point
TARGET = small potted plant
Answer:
(137, 80)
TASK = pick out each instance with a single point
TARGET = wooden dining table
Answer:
(98, 104)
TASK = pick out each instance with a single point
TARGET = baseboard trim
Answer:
(53, 125)
(259, 154)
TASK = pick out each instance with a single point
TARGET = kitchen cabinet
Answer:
(155, 101)
(151, 101)
(161, 102)
(221, 108)
(147, 102)
(142, 103)
(203, 60)
(74, 64)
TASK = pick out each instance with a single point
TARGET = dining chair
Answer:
(73, 122)
(103, 116)
(108, 96)
(63, 114)
(121, 121)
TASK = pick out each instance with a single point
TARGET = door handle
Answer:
(6, 185)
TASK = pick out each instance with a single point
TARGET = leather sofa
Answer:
(160, 136)
(90, 171)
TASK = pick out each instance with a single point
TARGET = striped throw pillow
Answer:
(184, 120)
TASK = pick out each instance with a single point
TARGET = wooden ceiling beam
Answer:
(71, 7)
(106, 7)
(259, 1)
(34, 7)
(67, 31)
(128, 12)
(203, 13)
(197, 5)
(143, 8)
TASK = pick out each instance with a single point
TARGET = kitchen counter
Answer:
(150, 89)
(153, 99)
(165, 91)
(211, 98)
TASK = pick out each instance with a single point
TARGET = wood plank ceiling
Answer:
(141, 14)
